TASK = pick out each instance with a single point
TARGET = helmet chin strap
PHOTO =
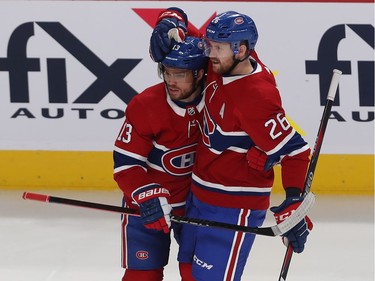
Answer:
(237, 61)
(197, 85)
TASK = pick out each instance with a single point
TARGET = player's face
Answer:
(179, 82)
(221, 56)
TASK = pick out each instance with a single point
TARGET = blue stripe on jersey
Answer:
(155, 157)
(294, 144)
(220, 140)
(230, 190)
(121, 160)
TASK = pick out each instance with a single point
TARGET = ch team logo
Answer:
(141, 255)
(328, 59)
(179, 162)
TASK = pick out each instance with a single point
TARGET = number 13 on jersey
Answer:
(125, 133)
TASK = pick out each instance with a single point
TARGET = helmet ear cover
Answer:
(235, 46)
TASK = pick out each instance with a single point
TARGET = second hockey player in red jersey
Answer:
(243, 119)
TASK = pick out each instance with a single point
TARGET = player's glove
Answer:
(256, 158)
(154, 207)
(297, 236)
(171, 27)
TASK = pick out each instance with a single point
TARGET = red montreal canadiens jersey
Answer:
(240, 112)
(157, 144)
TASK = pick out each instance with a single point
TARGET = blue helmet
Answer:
(188, 54)
(233, 27)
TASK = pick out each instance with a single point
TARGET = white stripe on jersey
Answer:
(238, 149)
(238, 133)
(126, 167)
(130, 154)
(231, 188)
(281, 144)
(300, 150)
(155, 167)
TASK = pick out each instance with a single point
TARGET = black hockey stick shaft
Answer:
(266, 231)
(78, 203)
(314, 159)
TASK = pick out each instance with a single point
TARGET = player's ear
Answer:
(200, 74)
(242, 52)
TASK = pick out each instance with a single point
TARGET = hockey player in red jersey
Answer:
(245, 134)
(153, 159)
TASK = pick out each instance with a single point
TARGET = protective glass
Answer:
(176, 75)
(217, 49)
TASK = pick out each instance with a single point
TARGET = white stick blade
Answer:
(297, 215)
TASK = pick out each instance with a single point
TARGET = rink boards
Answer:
(64, 83)
(335, 174)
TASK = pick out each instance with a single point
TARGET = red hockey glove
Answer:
(297, 236)
(256, 159)
(154, 207)
(171, 27)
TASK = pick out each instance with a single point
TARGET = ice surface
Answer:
(51, 242)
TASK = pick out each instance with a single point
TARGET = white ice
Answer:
(52, 242)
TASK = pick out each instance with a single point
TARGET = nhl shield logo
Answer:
(191, 110)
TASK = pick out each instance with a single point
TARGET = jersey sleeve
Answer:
(271, 131)
(132, 147)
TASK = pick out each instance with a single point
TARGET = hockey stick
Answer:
(314, 159)
(275, 230)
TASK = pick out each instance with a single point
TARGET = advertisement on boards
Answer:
(69, 68)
